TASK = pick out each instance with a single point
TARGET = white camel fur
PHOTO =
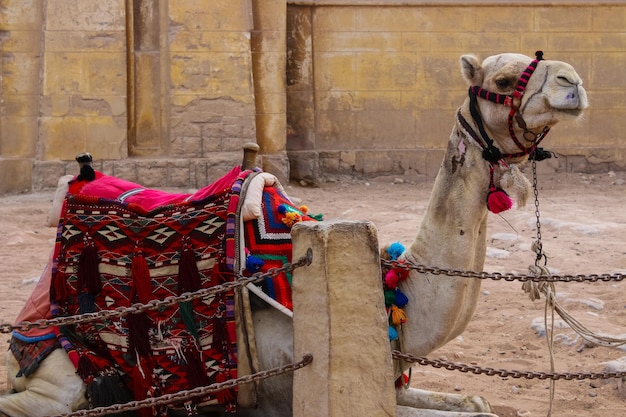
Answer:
(452, 235)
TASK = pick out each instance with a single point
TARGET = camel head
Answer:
(517, 99)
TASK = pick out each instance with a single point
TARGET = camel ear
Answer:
(472, 70)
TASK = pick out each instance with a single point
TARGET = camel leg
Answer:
(428, 400)
(412, 412)
(53, 389)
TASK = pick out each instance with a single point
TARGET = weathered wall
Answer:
(372, 90)
(159, 92)
(164, 92)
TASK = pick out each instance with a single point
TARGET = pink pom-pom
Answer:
(498, 200)
(391, 279)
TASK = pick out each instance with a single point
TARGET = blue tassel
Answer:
(282, 209)
(395, 250)
(401, 299)
(254, 264)
(393, 334)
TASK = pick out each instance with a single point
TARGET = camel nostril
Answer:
(565, 80)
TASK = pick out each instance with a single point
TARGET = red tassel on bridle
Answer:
(497, 199)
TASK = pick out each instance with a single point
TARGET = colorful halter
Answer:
(490, 152)
(497, 199)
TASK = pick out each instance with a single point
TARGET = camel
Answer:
(513, 101)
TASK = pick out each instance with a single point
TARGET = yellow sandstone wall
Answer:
(373, 89)
(166, 92)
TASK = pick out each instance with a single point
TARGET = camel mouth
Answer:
(574, 113)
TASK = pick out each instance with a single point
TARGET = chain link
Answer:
(182, 396)
(497, 276)
(538, 244)
(451, 366)
(155, 304)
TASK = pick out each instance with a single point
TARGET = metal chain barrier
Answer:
(452, 366)
(155, 304)
(182, 396)
(497, 276)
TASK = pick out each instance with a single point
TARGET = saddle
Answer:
(119, 244)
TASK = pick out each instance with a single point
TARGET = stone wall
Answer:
(166, 92)
(372, 90)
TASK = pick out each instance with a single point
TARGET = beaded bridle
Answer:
(491, 153)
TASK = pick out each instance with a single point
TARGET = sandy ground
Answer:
(583, 225)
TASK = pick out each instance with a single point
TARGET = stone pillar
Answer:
(146, 93)
(339, 317)
(268, 45)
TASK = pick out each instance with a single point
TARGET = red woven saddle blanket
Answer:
(117, 247)
(119, 244)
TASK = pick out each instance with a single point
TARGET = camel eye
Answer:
(503, 83)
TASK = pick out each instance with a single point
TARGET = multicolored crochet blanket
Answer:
(120, 244)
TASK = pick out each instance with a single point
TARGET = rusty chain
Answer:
(452, 366)
(155, 304)
(408, 265)
(182, 396)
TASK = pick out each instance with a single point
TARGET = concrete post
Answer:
(339, 317)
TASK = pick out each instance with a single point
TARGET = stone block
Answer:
(179, 174)
(335, 71)
(152, 173)
(386, 19)
(304, 166)
(328, 19)
(328, 327)
(46, 174)
(85, 41)
(15, 175)
(210, 15)
(277, 164)
(560, 18)
(21, 15)
(20, 105)
(19, 136)
(27, 41)
(20, 73)
(209, 41)
(86, 15)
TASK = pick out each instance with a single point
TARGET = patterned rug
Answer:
(112, 254)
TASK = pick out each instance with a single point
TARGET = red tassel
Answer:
(88, 274)
(188, 274)
(139, 333)
(142, 287)
(85, 368)
(498, 200)
(142, 389)
(220, 335)
(224, 396)
(59, 291)
(196, 371)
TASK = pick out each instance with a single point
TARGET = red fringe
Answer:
(188, 274)
(88, 274)
(224, 396)
(142, 389)
(142, 286)
(139, 333)
(58, 291)
(196, 370)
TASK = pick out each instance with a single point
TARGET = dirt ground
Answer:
(583, 228)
